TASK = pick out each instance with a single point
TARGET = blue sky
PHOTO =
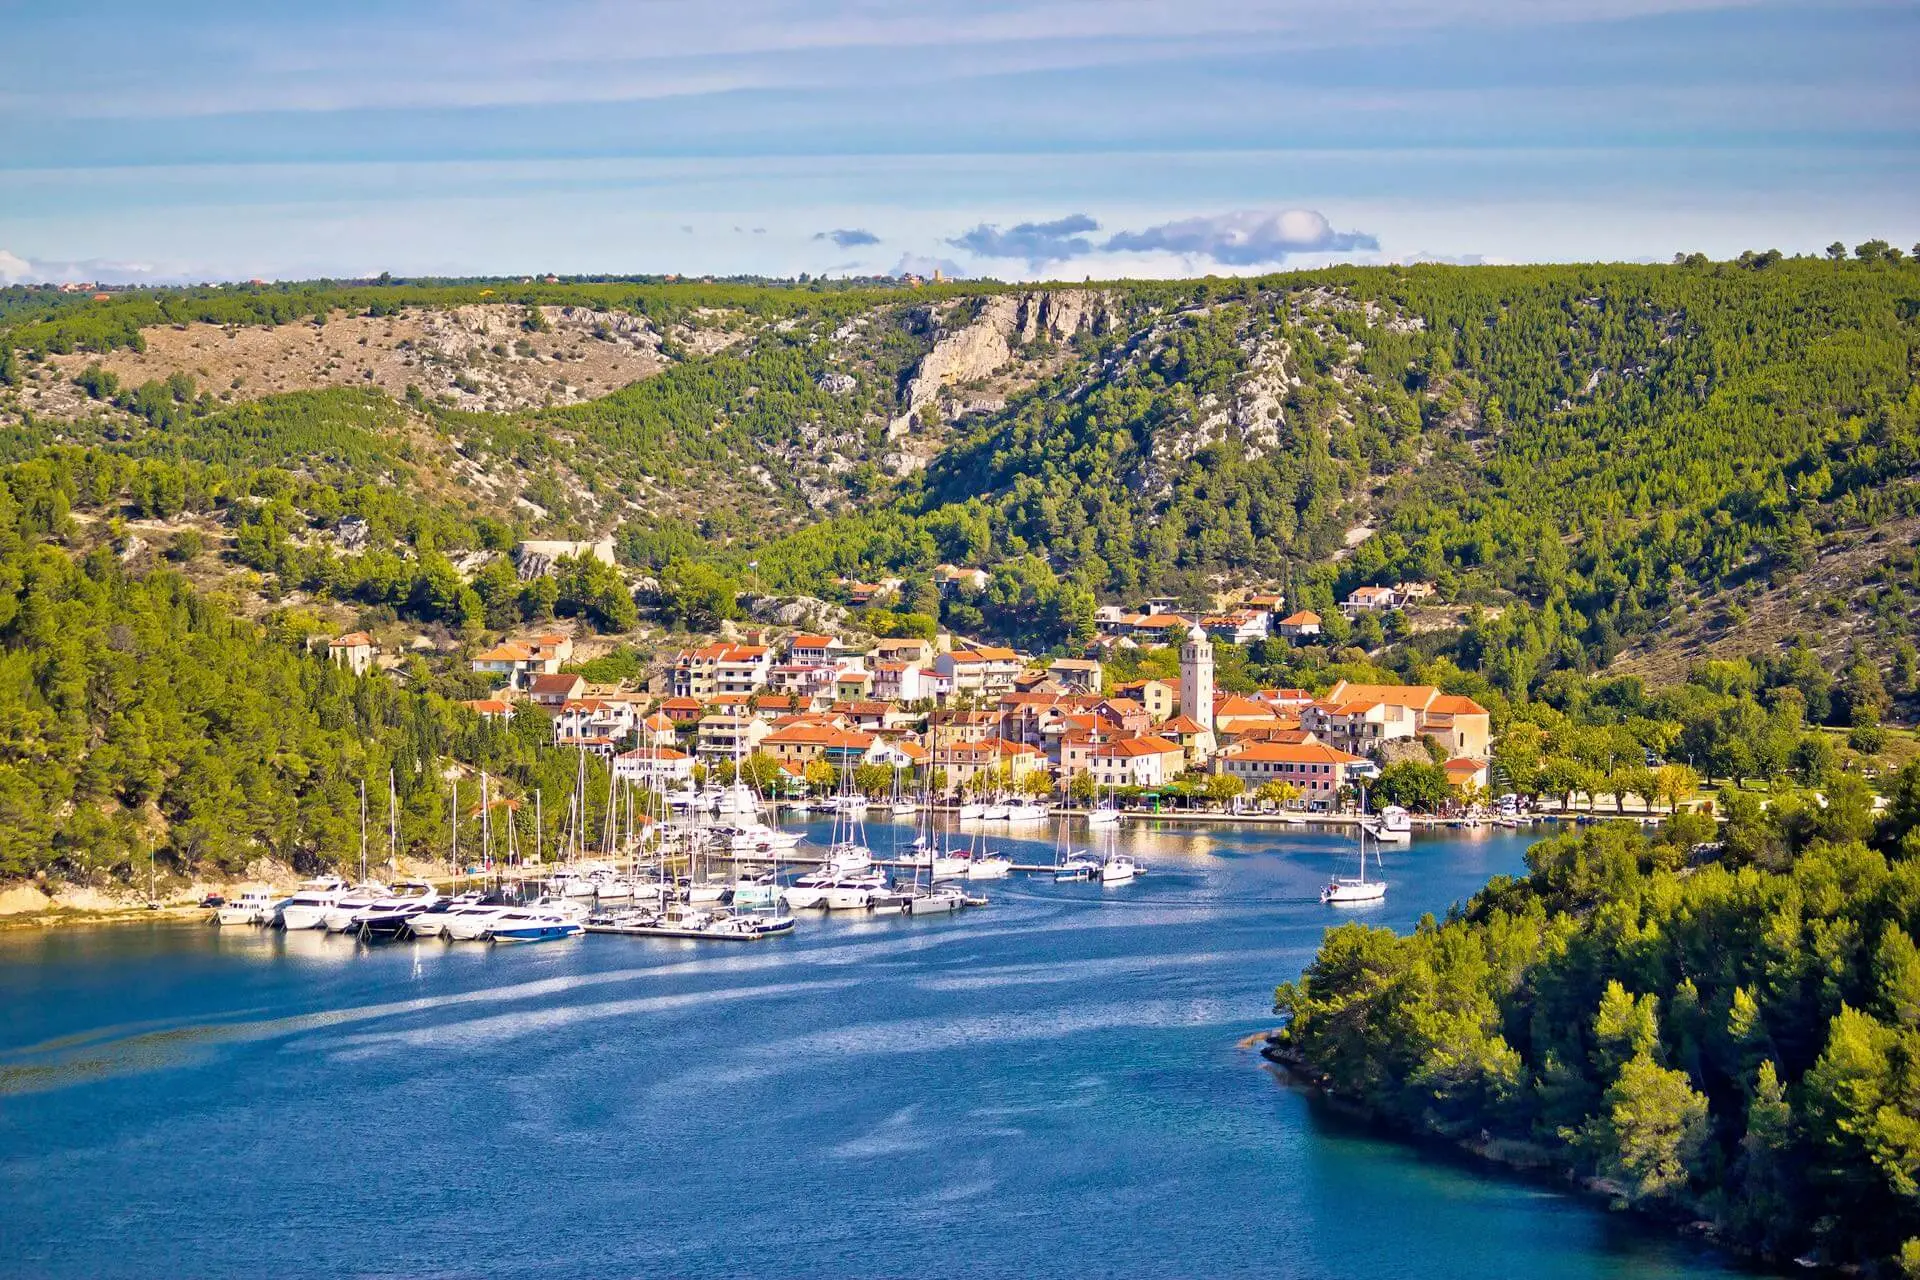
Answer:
(1015, 138)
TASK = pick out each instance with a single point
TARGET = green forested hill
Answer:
(1588, 460)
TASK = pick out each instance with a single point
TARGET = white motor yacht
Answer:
(809, 891)
(340, 917)
(470, 924)
(387, 917)
(1394, 826)
(1118, 869)
(431, 922)
(530, 924)
(1026, 812)
(308, 907)
(971, 810)
(253, 906)
(995, 812)
(855, 893)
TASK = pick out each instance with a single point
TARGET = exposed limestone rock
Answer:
(982, 348)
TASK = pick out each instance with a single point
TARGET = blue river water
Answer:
(1050, 1085)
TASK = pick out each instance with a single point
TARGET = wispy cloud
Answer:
(15, 269)
(1036, 243)
(1245, 238)
(848, 237)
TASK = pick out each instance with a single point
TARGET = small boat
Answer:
(1395, 826)
(938, 900)
(1103, 817)
(526, 924)
(995, 812)
(756, 837)
(970, 811)
(572, 884)
(254, 906)
(939, 866)
(308, 907)
(1026, 813)
(756, 893)
(848, 859)
(1119, 868)
(990, 867)
(711, 892)
(1076, 866)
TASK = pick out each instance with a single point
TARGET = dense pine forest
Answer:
(1719, 1025)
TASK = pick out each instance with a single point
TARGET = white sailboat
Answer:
(1105, 813)
(1342, 891)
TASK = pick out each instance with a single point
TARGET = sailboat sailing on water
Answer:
(1342, 891)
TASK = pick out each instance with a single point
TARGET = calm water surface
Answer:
(1047, 1086)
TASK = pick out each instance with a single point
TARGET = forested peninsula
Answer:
(1707, 1025)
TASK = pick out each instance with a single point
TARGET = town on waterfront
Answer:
(851, 639)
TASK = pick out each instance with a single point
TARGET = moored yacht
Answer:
(340, 917)
(990, 866)
(937, 900)
(1079, 865)
(253, 906)
(430, 922)
(1394, 826)
(1119, 868)
(532, 924)
(854, 892)
(308, 907)
(388, 917)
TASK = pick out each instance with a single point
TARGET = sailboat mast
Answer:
(393, 824)
(363, 831)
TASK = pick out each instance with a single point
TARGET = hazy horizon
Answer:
(1028, 139)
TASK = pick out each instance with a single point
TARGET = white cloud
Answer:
(1245, 238)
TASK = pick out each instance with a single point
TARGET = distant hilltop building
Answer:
(536, 559)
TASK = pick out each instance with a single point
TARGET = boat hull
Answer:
(555, 932)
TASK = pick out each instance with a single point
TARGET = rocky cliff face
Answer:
(985, 346)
